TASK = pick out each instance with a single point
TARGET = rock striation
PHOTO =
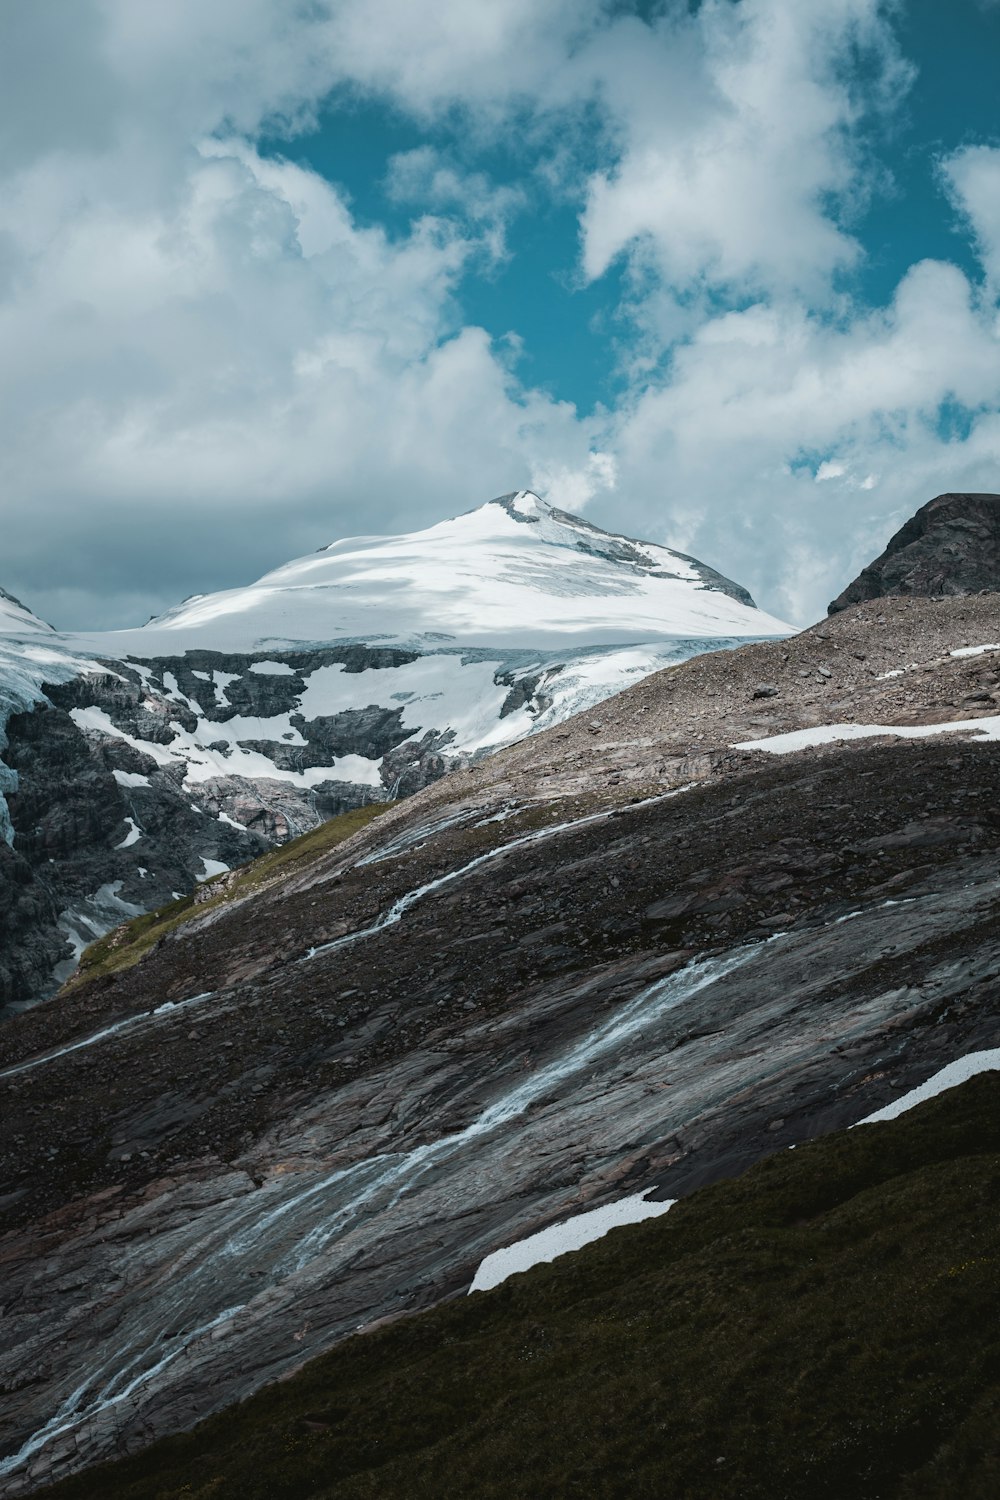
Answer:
(622, 955)
(951, 546)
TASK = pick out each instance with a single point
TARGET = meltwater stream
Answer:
(146, 1019)
(399, 908)
(248, 1248)
(131, 1025)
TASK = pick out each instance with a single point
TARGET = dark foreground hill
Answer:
(824, 1327)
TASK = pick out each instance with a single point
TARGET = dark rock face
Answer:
(106, 826)
(951, 546)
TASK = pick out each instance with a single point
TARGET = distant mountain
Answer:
(15, 617)
(140, 762)
(951, 546)
(515, 572)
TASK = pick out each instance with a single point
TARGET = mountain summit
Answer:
(514, 572)
(136, 763)
(951, 546)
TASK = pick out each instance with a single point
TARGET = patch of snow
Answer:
(143, 872)
(946, 1078)
(975, 650)
(132, 837)
(223, 817)
(202, 763)
(561, 1239)
(173, 690)
(212, 867)
(130, 778)
(987, 728)
(272, 668)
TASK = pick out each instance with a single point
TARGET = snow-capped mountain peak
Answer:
(359, 673)
(516, 571)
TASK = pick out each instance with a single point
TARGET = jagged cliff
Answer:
(951, 546)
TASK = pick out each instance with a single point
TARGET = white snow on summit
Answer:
(15, 619)
(515, 572)
(518, 615)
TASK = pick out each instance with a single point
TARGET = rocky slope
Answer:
(137, 763)
(637, 951)
(951, 546)
(814, 1328)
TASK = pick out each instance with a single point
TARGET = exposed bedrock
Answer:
(951, 546)
(107, 822)
(652, 996)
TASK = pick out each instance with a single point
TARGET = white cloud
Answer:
(721, 458)
(424, 176)
(973, 177)
(573, 488)
(238, 375)
(212, 365)
(735, 127)
(488, 53)
(830, 469)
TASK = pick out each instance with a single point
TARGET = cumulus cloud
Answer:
(736, 125)
(238, 377)
(760, 399)
(213, 364)
(973, 177)
(424, 176)
(210, 365)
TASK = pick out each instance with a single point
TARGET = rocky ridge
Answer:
(624, 954)
(951, 546)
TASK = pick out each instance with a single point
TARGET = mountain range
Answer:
(719, 952)
(136, 763)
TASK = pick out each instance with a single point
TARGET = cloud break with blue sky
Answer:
(723, 275)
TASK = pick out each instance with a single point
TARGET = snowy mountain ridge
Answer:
(138, 762)
(514, 572)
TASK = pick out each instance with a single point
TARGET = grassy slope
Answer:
(127, 944)
(824, 1327)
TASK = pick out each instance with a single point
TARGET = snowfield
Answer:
(946, 1078)
(561, 1239)
(987, 728)
(515, 572)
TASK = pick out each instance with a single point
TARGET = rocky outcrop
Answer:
(951, 546)
(108, 818)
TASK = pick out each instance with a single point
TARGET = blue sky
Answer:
(570, 328)
(277, 271)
